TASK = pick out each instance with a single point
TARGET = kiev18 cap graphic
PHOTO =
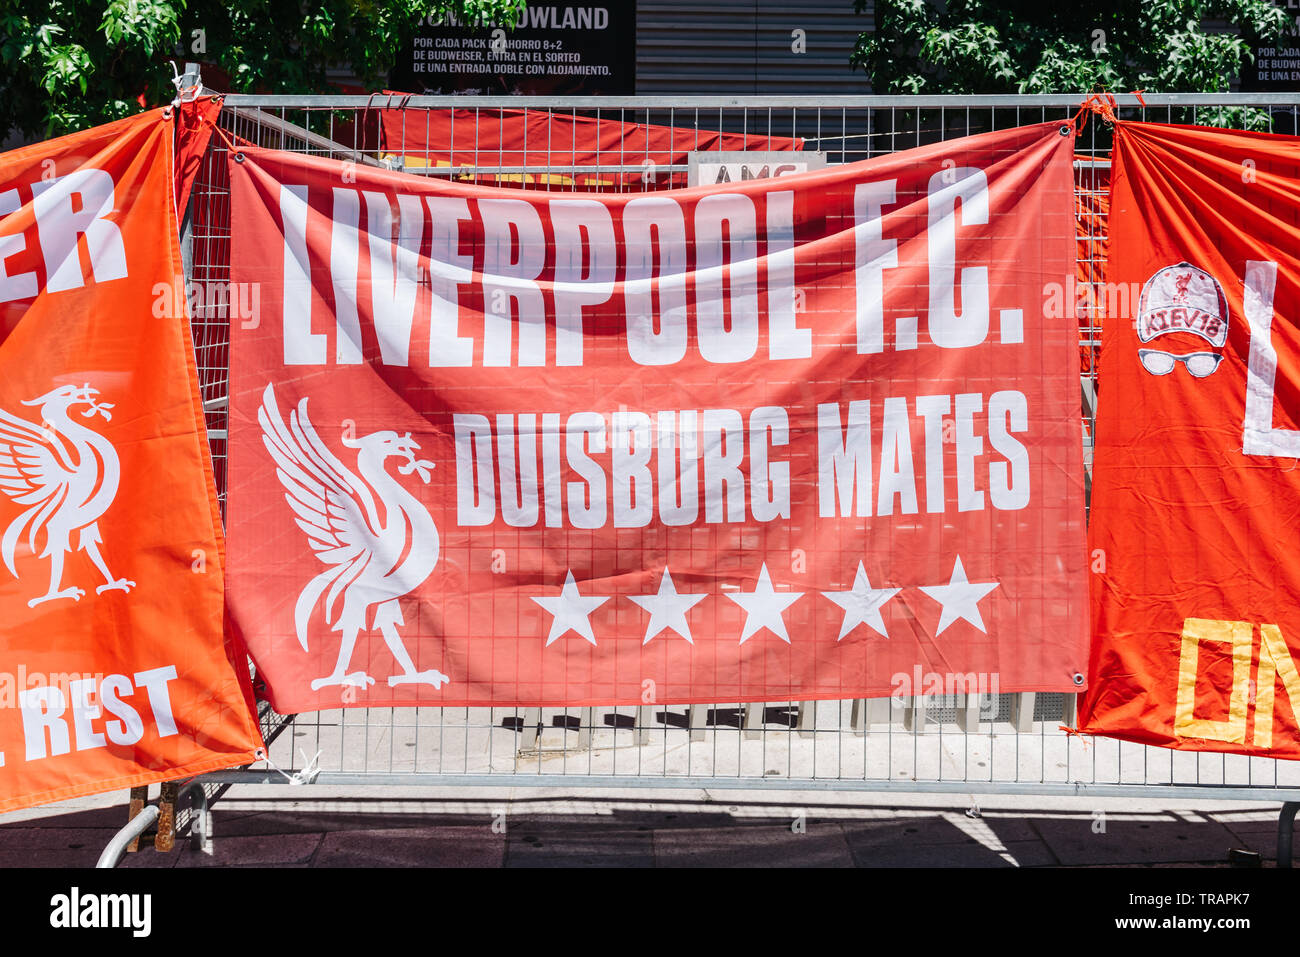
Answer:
(1182, 298)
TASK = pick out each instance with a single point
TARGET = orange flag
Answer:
(113, 667)
(1196, 493)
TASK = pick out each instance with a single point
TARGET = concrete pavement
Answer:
(314, 826)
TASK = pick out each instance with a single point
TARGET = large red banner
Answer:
(114, 671)
(790, 439)
(1195, 593)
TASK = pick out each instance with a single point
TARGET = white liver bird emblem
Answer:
(67, 475)
(377, 541)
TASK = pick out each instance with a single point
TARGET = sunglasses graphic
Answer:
(1198, 364)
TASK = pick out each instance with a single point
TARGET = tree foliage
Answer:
(1028, 46)
(70, 64)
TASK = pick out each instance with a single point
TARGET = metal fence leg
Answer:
(869, 712)
(532, 729)
(586, 721)
(696, 716)
(1022, 711)
(968, 712)
(200, 817)
(165, 839)
(1285, 832)
(914, 715)
(138, 798)
(645, 716)
(807, 723)
(1070, 711)
(858, 716)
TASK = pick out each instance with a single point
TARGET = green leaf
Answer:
(991, 46)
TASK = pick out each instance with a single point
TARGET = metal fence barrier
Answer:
(965, 744)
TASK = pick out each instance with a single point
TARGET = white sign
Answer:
(709, 168)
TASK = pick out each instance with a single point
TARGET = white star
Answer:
(667, 609)
(862, 604)
(764, 606)
(569, 611)
(960, 598)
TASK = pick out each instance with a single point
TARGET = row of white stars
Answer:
(765, 606)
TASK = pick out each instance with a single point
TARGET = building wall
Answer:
(744, 47)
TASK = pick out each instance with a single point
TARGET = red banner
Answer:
(790, 439)
(195, 121)
(1196, 600)
(113, 668)
(557, 144)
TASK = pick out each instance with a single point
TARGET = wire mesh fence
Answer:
(967, 740)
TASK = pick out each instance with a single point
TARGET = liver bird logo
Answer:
(376, 540)
(67, 476)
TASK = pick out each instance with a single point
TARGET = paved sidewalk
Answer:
(320, 827)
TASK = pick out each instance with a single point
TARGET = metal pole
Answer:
(133, 829)
(200, 818)
(1285, 831)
